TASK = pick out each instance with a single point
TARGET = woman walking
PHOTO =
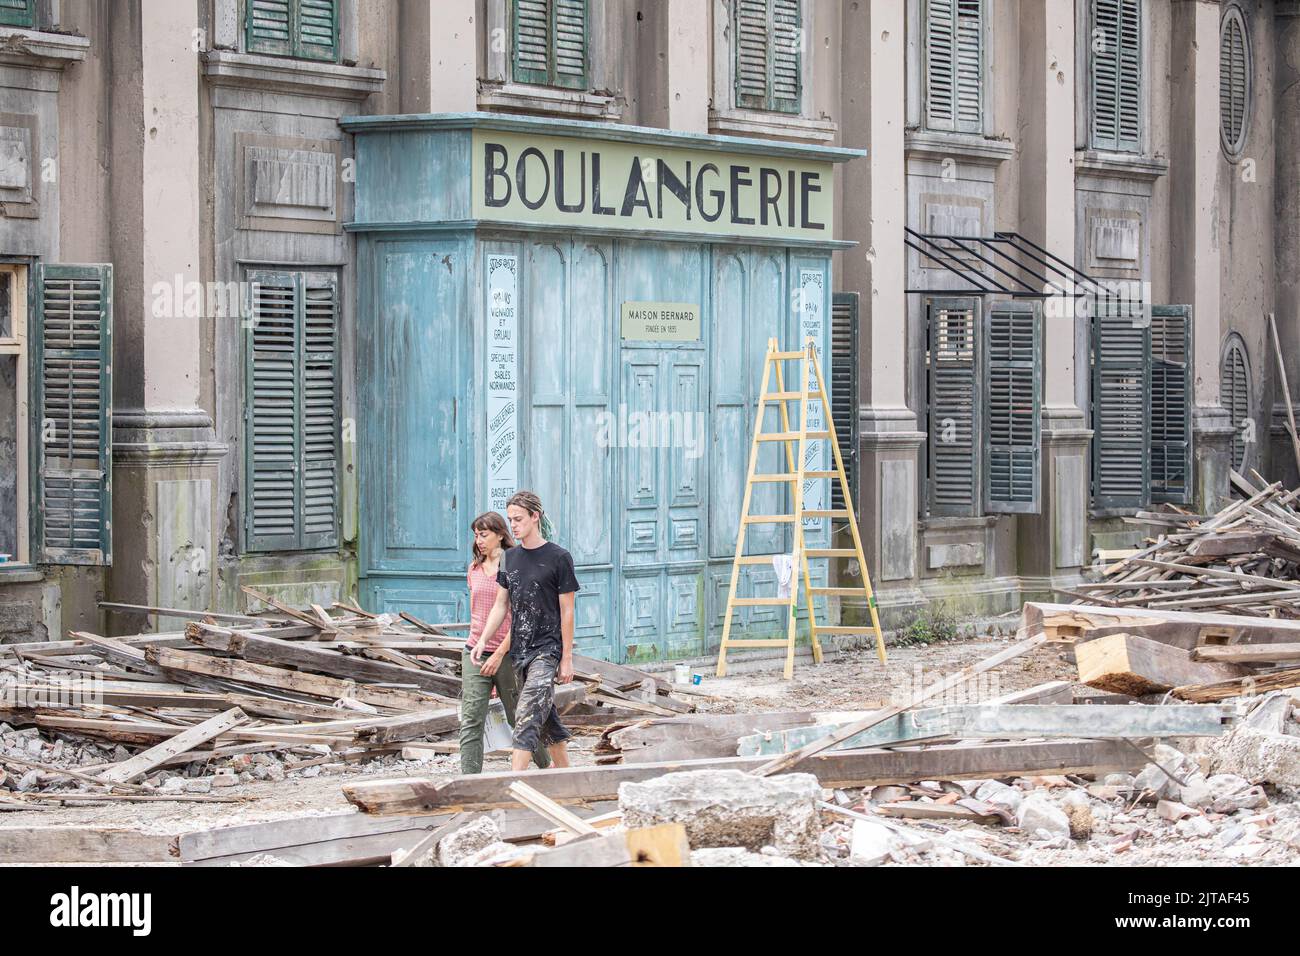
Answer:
(484, 663)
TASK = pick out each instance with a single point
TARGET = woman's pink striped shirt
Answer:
(482, 596)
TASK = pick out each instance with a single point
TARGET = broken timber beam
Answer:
(1124, 664)
(186, 740)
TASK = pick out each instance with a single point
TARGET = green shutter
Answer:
(550, 39)
(18, 13)
(1171, 403)
(954, 65)
(72, 434)
(306, 29)
(952, 373)
(844, 390)
(291, 412)
(1115, 74)
(1012, 407)
(1234, 395)
(768, 41)
(1121, 374)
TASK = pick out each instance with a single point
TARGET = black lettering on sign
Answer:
(805, 198)
(718, 195)
(492, 171)
(680, 189)
(635, 195)
(737, 181)
(767, 195)
(559, 183)
(596, 207)
(521, 178)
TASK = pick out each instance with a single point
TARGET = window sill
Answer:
(943, 523)
(1120, 165)
(314, 77)
(780, 125)
(12, 572)
(971, 147)
(516, 97)
(51, 51)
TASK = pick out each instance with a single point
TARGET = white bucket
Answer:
(497, 734)
(682, 673)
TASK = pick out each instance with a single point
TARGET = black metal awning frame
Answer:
(1051, 271)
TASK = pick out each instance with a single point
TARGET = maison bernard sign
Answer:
(601, 184)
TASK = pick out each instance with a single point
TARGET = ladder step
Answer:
(787, 356)
(843, 629)
(861, 591)
(755, 643)
(760, 602)
(755, 559)
(829, 513)
(776, 478)
(821, 474)
(831, 553)
(790, 436)
(768, 519)
(790, 396)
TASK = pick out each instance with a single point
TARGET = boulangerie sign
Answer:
(502, 378)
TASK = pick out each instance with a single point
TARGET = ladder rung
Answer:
(776, 478)
(790, 396)
(830, 513)
(759, 602)
(755, 559)
(755, 643)
(844, 629)
(768, 519)
(831, 553)
(861, 591)
(821, 474)
(787, 356)
(790, 436)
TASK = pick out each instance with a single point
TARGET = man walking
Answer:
(537, 580)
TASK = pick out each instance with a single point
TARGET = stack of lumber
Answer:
(1244, 560)
(310, 687)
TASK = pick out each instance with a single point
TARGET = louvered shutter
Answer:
(1234, 395)
(550, 43)
(1115, 76)
(952, 372)
(307, 29)
(1234, 80)
(320, 403)
(844, 390)
(1121, 372)
(1012, 408)
(272, 395)
(18, 13)
(768, 41)
(954, 65)
(74, 394)
(1171, 403)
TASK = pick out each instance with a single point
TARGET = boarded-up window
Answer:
(1234, 395)
(768, 42)
(1234, 80)
(72, 438)
(1115, 74)
(844, 390)
(954, 65)
(291, 421)
(550, 43)
(303, 29)
(1171, 403)
(1012, 400)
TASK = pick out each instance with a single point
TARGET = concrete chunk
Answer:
(467, 841)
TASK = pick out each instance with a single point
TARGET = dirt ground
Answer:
(850, 680)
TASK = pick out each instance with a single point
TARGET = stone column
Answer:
(163, 446)
(874, 215)
(1194, 243)
(1286, 116)
(438, 48)
(1055, 541)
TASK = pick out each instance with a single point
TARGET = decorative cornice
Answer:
(752, 123)
(969, 147)
(143, 437)
(283, 74)
(40, 49)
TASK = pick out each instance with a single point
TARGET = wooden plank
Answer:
(140, 764)
(116, 652)
(840, 769)
(1247, 653)
(1253, 684)
(794, 758)
(410, 856)
(1052, 692)
(549, 809)
(1183, 628)
(65, 844)
(662, 845)
(949, 813)
(1125, 664)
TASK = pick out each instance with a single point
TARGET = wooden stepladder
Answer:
(796, 447)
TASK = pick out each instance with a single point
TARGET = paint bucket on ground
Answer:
(682, 673)
(497, 734)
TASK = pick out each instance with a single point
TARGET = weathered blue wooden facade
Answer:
(494, 257)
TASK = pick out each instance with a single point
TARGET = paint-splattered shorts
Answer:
(536, 719)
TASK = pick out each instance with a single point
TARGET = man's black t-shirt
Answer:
(535, 578)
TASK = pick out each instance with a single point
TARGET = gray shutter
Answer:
(1121, 372)
(952, 373)
(316, 25)
(1234, 80)
(786, 54)
(18, 13)
(272, 438)
(752, 40)
(768, 42)
(1115, 76)
(550, 43)
(1171, 403)
(954, 65)
(269, 27)
(1234, 395)
(844, 390)
(73, 431)
(1012, 408)
(320, 404)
